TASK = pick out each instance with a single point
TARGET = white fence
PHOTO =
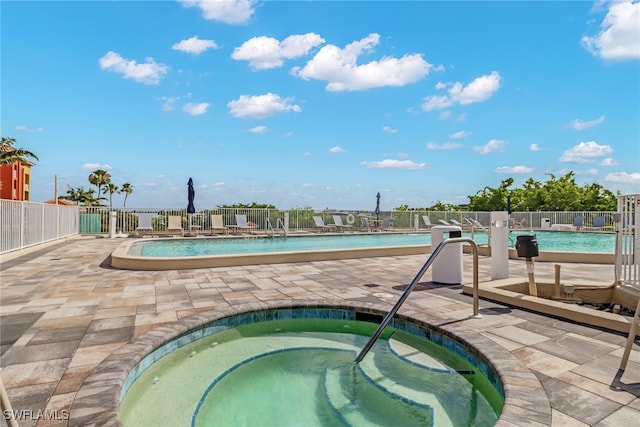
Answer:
(24, 224)
(628, 240)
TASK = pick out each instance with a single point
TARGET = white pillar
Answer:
(416, 222)
(286, 221)
(499, 241)
(112, 224)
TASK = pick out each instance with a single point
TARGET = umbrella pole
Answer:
(533, 290)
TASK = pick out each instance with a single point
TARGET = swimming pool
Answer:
(172, 253)
(549, 241)
(296, 367)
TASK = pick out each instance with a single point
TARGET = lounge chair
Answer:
(427, 221)
(242, 224)
(364, 224)
(174, 225)
(145, 223)
(321, 226)
(455, 222)
(474, 223)
(443, 222)
(387, 224)
(513, 223)
(217, 225)
(578, 222)
(337, 220)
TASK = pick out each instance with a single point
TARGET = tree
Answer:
(80, 195)
(99, 178)
(10, 154)
(127, 189)
(110, 188)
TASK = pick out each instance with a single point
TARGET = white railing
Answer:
(627, 258)
(25, 224)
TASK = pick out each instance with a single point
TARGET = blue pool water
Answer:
(547, 241)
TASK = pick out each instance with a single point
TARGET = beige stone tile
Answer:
(603, 390)
(519, 335)
(559, 419)
(92, 355)
(505, 343)
(33, 373)
(544, 363)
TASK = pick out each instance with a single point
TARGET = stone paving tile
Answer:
(622, 417)
(580, 404)
(113, 306)
(575, 348)
(544, 363)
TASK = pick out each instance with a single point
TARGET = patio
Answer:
(64, 310)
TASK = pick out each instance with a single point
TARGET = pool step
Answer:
(356, 402)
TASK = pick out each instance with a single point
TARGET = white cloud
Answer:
(194, 45)
(481, 89)
(389, 129)
(491, 146)
(580, 124)
(336, 149)
(261, 106)
(585, 152)
(460, 134)
(266, 52)
(28, 129)
(259, 129)
(445, 146)
(226, 11)
(340, 68)
(149, 72)
(96, 166)
(514, 169)
(608, 162)
(619, 36)
(534, 147)
(196, 109)
(395, 164)
(623, 177)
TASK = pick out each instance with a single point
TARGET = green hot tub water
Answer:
(302, 373)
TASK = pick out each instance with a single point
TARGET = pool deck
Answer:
(64, 310)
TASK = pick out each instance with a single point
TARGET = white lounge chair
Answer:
(427, 221)
(217, 225)
(337, 220)
(364, 224)
(455, 222)
(387, 224)
(321, 226)
(145, 223)
(174, 225)
(242, 224)
(443, 222)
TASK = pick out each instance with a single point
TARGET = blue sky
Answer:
(322, 104)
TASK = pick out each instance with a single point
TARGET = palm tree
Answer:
(10, 154)
(127, 189)
(80, 195)
(110, 188)
(99, 178)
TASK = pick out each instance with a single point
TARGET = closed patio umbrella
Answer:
(191, 209)
(377, 205)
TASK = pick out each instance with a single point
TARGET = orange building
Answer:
(15, 179)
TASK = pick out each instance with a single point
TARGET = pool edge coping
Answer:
(98, 399)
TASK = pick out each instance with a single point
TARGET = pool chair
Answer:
(455, 222)
(387, 224)
(365, 225)
(242, 224)
(321, 226)
(217, 225)
(174, 225)
(443, 222)
(578, 222)
(337, 220)
(427, 221)
(513, 223)
(145, 223)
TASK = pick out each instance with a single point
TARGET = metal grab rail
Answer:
(414, 282)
